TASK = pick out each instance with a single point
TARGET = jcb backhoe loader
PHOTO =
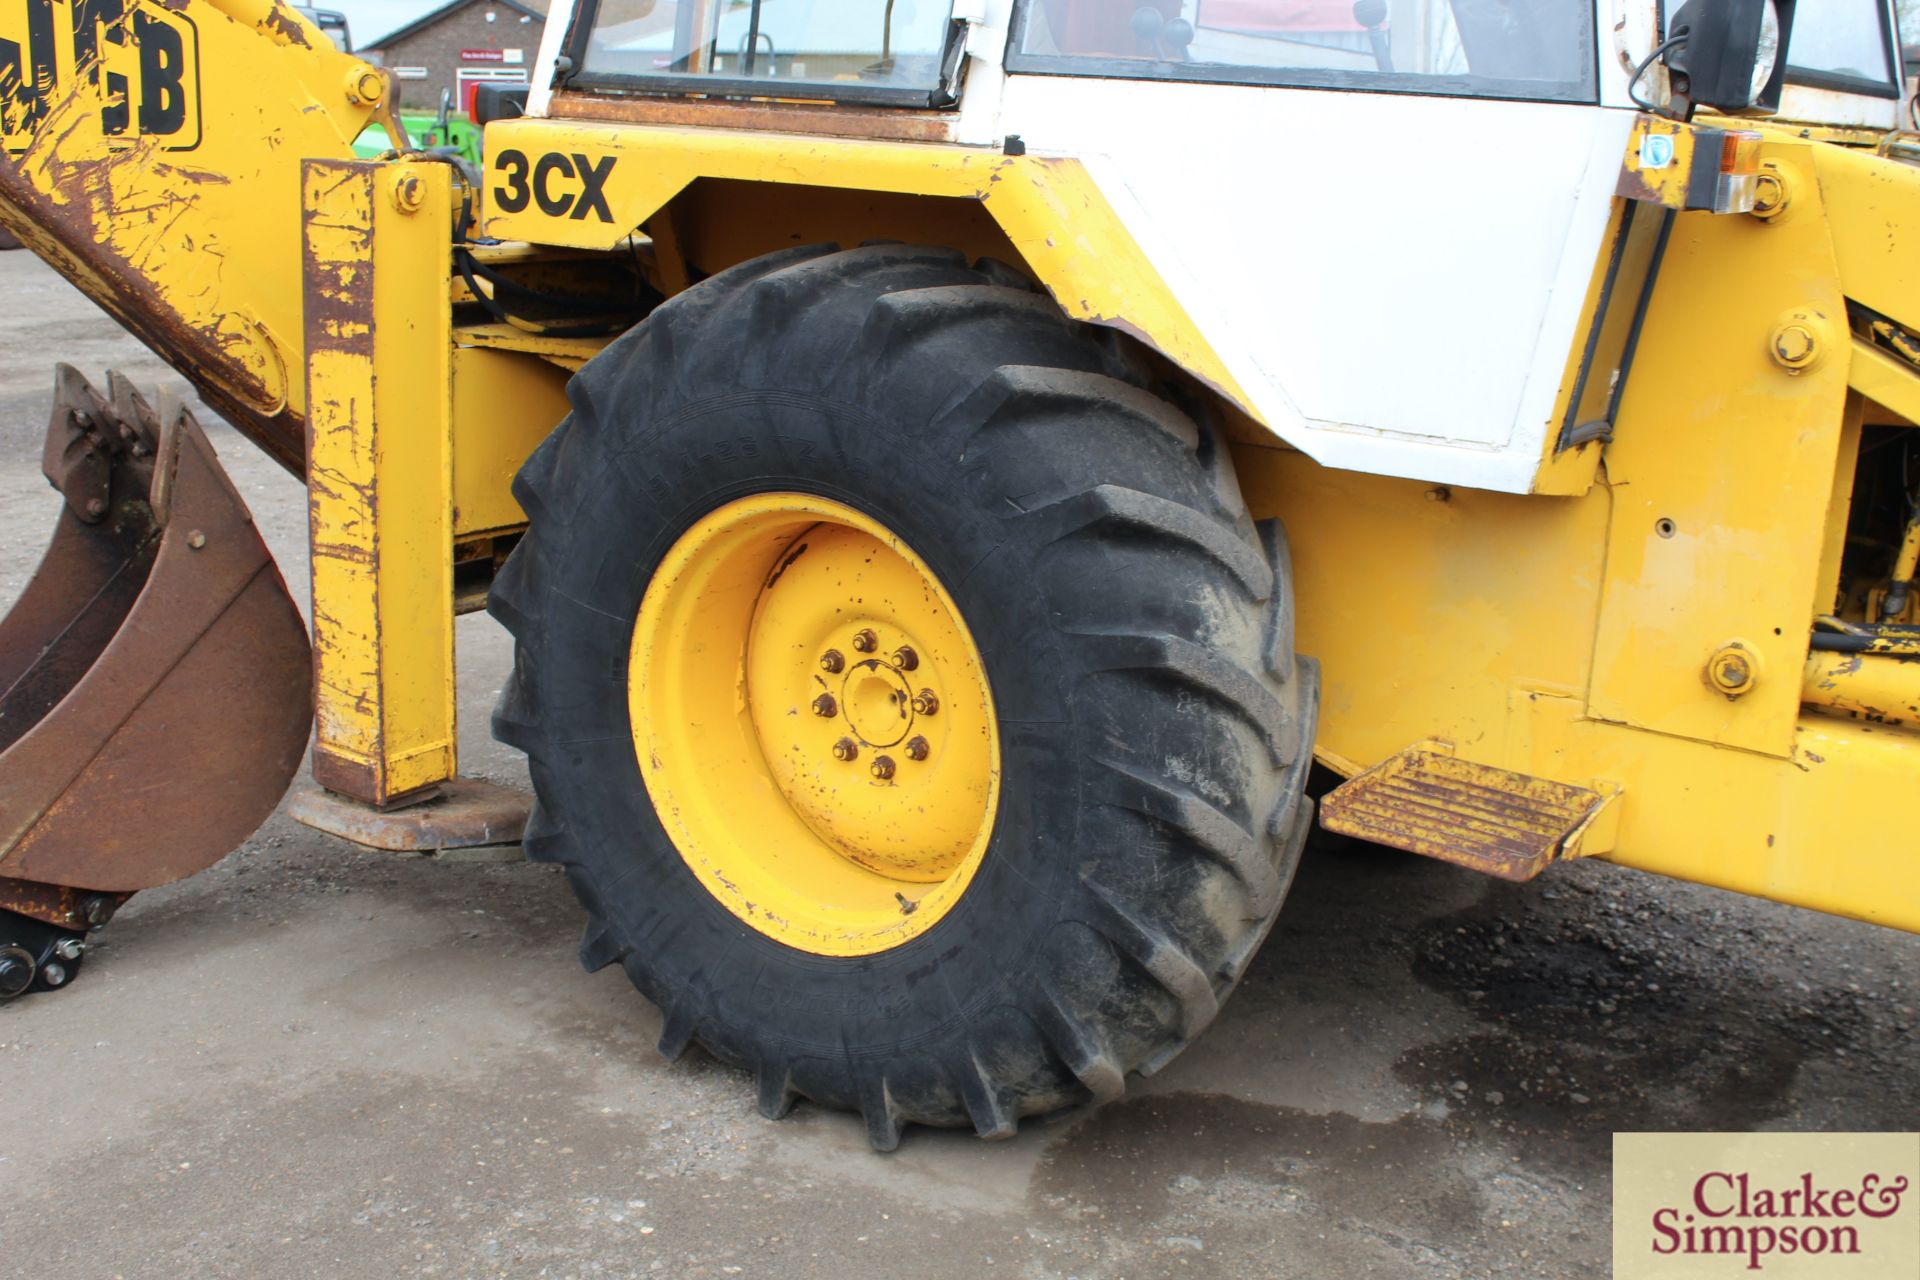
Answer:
(908, 647)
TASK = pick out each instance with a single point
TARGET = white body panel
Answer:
(1396, 281)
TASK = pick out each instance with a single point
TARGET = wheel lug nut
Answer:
(865, 641)
(905, 659)
(925, 704)
(824, 705)
(846, 749)
(917, 748)
(882, 767)
(832, 662)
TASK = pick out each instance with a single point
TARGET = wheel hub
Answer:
(878, 702)
(814, 723)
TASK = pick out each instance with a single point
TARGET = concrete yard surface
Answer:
(318, 1061)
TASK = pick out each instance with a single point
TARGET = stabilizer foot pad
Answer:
(1509, 825)
(468, 820)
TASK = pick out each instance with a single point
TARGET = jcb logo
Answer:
(140, 58)
(564, 186)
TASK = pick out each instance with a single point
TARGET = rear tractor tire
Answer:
(906, 689)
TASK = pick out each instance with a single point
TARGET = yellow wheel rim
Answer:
(814, 724)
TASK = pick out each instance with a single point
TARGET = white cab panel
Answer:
(1396, 281)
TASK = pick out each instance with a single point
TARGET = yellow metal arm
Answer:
(379, 342)
(168, 188)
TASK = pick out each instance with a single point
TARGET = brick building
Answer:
(458, 45)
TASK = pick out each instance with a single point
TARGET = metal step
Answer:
(1426, 801)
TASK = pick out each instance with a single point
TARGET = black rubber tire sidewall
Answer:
(750, 987)
(1136, 628)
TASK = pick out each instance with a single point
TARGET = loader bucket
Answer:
(155, 676)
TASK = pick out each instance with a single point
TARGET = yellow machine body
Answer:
(1637, 627)
(1571, 636)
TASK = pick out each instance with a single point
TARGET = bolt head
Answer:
(824, 705)
(69, 948)
(925, 703)
(1800, 340)
(833, 662)
(1769, 193)
(905, 658)
(97, 910)
(1732, 670)
(365, 86)
(196, 539)
(53, 973)
(96, 506)
(846, 749)
(882, 767)
(410, 193)
(1794, 346)
(917, 748)
(864, 641)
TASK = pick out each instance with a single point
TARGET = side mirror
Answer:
(1730, 55)
(1163, 38)
(1373, 14)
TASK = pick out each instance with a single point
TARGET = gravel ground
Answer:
(317, 1060)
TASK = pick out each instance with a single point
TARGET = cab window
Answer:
(1845, 45)
(903, 52)
(1542, 49)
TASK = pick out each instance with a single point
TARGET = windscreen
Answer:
(846, 48)
(1841, 41)
(1493, 48)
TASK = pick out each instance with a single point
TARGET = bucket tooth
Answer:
(155, 675)
(138, 425)
(84, 447)
(1505, 824)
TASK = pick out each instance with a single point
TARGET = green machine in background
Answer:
(442, 132)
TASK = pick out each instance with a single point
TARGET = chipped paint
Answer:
(1875, 689)
(383, 665)
(189, 236)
